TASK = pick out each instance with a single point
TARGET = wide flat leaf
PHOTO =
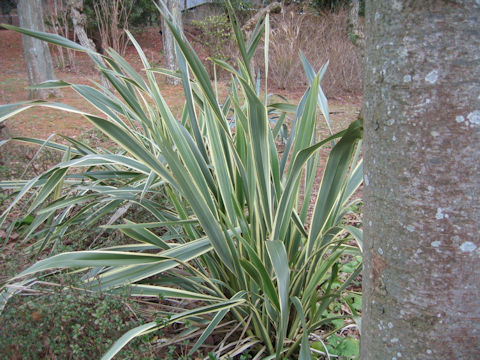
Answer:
(126, 338)
(322, 99)
(119, 276)
(46, 144)
(91, 258)
(305, 353)
(278, 257)
(50, 84)
(258, 128)
(9, 110)
(142, 234)
(286, 204)
(166, 292)
(50, 38)
(333, 181)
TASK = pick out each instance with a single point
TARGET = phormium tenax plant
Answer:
(233, 243)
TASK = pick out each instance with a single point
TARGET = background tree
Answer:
(422, 145)
(355, 32)
(111, 17)
(171, 63)
(36, 52)
(79, 21)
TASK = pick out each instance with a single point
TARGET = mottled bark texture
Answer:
(79, 21)
(36, 52)
(170, 57)
(355, 32)
(422, 180)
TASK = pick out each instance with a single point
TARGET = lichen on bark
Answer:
(421, 287)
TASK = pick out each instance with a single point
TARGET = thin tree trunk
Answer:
(273, 8)
(36, 52)
(354, 31)
(79, 21)
(422, 180)
(171, 62)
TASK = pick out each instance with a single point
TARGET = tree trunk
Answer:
(273, 8)
(36, 52)
(168, 40)
(79, 21)
(422, 180)
(355, 33)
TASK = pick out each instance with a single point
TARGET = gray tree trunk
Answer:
(169, 54)
(422, 180)
(79, 21)
(36, 52)
(354, 31)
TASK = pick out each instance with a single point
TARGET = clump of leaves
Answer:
(229, 242)
(216, 33)
(69, 324)
(338, 347)
(217, 37)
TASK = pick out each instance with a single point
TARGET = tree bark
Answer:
(273, 8)
(169, 54)
(36, 52)
(422, 180)
(354, 31)
(79, 21)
